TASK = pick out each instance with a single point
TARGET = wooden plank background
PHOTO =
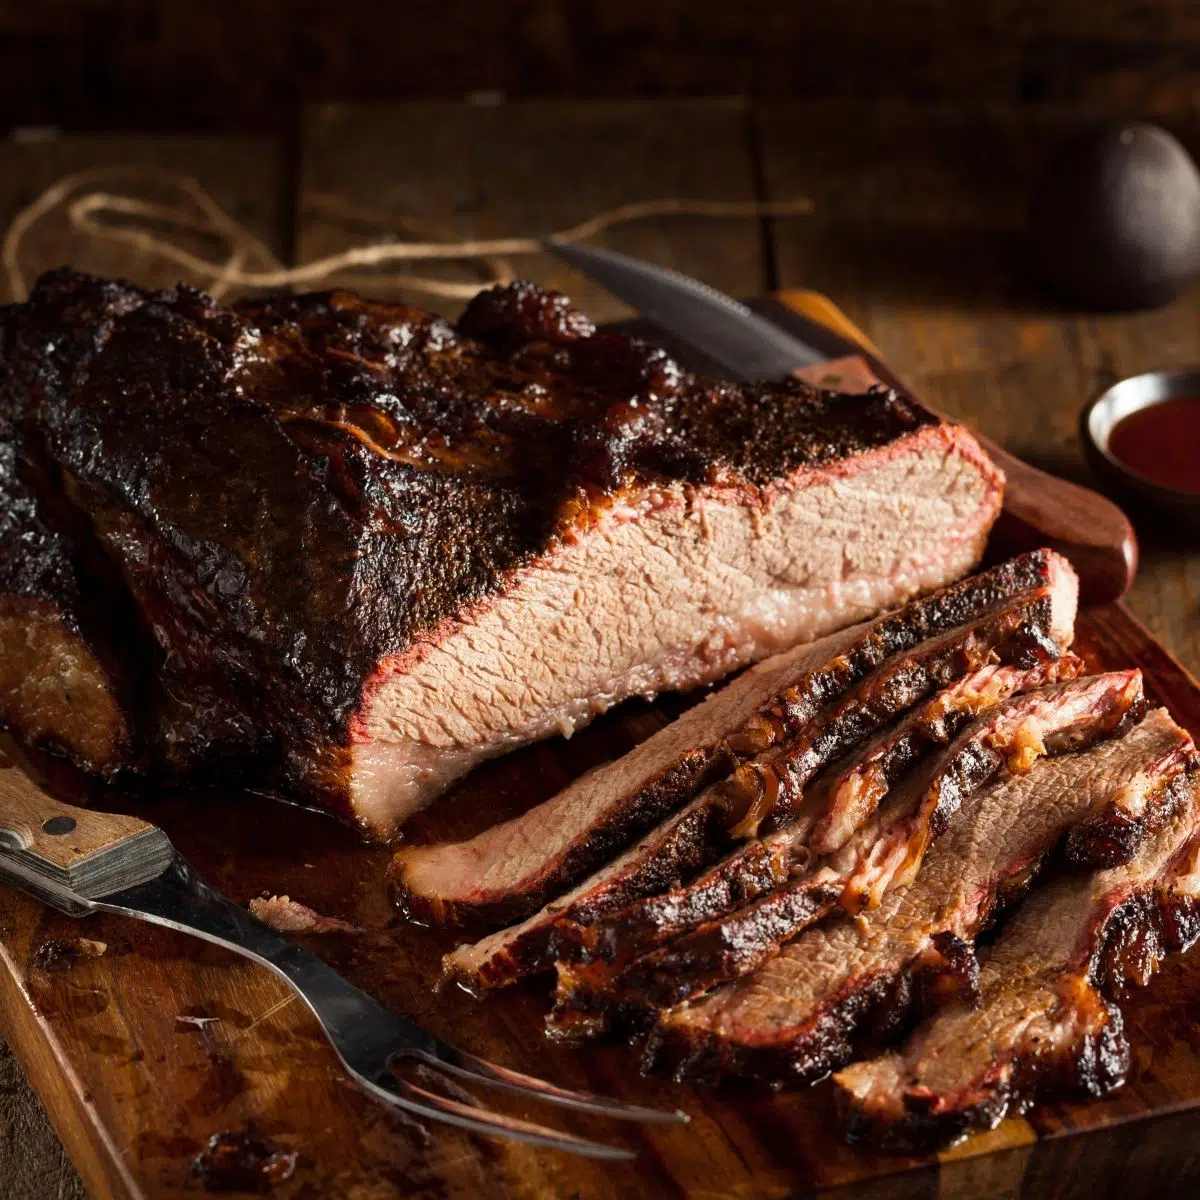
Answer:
(916, 235)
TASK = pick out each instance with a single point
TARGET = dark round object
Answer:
(1115, 221)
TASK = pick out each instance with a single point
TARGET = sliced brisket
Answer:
(851, 792)
(375, 548)
(1041, 1023)
(514, 868)
(886, 852)
(794, 1019)
(1034, 623)
(758, 866)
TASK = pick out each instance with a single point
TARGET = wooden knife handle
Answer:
(1039, 508)
(75, 853)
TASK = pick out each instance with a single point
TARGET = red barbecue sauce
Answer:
(1162, 443)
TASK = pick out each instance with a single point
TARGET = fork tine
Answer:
(428, 1104)
(479, 1070)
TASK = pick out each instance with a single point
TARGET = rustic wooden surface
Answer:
(916, 237)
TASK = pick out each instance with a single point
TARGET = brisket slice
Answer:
(762, 864)
(512, 869)
(851, 792)
(766, 792)
(698, 833)
(1115, 833)
(885, 853)
(1041, 1023)
(375, 548)
(676, 848)
(794, 1020)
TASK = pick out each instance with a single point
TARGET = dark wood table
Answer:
(916, 234)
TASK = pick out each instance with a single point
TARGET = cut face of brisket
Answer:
(1042, 1022)
(795, 1018)
(886, 852)
(512, 869)
(1030, 623)
(376, 549)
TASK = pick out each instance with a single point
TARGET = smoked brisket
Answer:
(371, 548)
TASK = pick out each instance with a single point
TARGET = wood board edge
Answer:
(49, 1071)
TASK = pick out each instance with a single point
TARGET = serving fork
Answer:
(80, 861)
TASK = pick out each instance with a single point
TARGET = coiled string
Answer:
(113, 205)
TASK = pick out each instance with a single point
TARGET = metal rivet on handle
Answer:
(57, 826)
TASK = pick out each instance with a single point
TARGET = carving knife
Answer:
(1039, 508)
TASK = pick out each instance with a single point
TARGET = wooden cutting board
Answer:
(143, 1053)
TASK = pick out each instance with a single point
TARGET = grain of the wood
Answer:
(918, 236)
(536, 168)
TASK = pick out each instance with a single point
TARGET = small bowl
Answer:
(1130, 395)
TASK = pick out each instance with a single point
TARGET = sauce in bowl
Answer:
(1161, 442)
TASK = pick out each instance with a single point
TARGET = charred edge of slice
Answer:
(764, 794)
(762, 865)
(854, 793)
(669, 790)
(1085, 1050)
(511, 953)
(892, 848)
(699, 960)
(1113, 837)
(759, 866)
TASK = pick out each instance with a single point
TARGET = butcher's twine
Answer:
(104, 204)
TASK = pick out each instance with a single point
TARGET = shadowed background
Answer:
(248, 63)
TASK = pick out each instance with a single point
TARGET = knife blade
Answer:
(745, 344)
(1039, 508)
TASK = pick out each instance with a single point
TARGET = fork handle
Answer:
(74, 854)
